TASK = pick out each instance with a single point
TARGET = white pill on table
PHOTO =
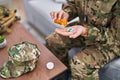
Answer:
(50, 65)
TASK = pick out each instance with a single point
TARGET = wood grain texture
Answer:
(20, 34)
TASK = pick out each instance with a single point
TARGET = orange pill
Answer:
(61, 22)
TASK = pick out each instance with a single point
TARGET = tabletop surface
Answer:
(20, 34)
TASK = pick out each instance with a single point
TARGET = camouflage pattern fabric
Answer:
(7, 18)
(60, 45)
(23, 58)
(100, 46)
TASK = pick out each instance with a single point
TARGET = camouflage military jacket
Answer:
(98, 11)
(103, 20)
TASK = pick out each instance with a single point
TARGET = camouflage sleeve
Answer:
(93, 33)
(70, 8)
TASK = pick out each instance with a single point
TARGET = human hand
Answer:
(76, 31)
(59, 15)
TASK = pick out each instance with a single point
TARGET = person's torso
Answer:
(97, 11)
(100, 14)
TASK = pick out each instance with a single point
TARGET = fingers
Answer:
(59, 15)
(79, 31)
(54, 15)
(75, 35)
(60, 29)
(65, 16)
(76, 31)
(51, 14)
(63, 31)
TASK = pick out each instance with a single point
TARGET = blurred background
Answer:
(35, 15)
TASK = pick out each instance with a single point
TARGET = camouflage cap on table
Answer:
(23, 58)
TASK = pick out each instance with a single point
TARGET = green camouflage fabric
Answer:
(7, 18)
(23, 58)
(100, 46)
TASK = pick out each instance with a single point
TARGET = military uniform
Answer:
(102, 43)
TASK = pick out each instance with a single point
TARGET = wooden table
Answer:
(20, 34)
